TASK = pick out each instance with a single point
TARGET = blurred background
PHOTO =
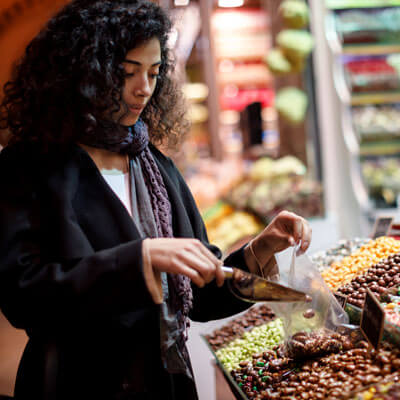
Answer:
(294, 105)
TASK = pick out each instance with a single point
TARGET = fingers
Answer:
(219, 275)
(306, 238)
(197, 256)
(298, 228)
(186, 256)
(193, 259)
(191, 273)
(217, 264)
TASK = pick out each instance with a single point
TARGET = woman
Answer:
(100, 238)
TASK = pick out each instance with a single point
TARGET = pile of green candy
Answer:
(257, 340)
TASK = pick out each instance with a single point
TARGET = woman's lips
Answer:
(136, 109)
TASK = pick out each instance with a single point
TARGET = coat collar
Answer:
(93, 188)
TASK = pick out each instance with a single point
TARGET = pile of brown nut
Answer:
(275, 375)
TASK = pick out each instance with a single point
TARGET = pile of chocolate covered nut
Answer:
(276, 375)
(380, 277)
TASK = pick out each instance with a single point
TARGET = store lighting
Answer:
(230, 3)
(173, 38)
(181, 2)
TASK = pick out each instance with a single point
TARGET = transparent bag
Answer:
(322, 314)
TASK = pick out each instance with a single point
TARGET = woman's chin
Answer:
(129, 121)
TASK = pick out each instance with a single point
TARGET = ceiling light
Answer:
(181, 2)
(230, 3)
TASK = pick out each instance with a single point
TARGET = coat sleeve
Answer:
(55, 294)
(210, 302)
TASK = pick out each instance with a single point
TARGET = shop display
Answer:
(241, 38)
(321, 364)
(275, 185)
(364, 41)
(374, 25)
(375, 251)
(256, 316)
(378, 279)
(371, 74)
(324, 259)
(225, 226)
(273, 376)
(377, 122)
(382, 178)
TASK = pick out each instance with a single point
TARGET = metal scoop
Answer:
(252, 288)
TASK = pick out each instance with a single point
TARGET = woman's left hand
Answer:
(285, 230)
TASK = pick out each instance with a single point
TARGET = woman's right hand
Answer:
(187, 257)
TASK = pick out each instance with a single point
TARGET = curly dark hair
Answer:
(70, 79)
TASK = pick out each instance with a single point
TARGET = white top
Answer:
(119, 183)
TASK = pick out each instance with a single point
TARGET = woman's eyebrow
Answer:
(138, 63)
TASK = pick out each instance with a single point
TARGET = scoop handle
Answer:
(228, 271)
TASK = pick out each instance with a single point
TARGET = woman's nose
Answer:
(143, 87)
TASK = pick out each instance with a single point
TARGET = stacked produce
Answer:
(378, 279)
(274, 375)
(377, 122)
(256, 316)
(226, 226)
(372, 74)
(344, 248)
(275, 185)
(375, 251)
(369, 25)
(382, 177)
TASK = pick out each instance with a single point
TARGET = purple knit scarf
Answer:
(135, 144)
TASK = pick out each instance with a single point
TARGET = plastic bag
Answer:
(323, 313)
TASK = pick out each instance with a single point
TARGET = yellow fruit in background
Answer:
(295, 13)
(291, 104)
(296, 45)
(277, 62)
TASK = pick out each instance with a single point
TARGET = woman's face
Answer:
(141, 66)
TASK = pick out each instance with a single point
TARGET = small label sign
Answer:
(341, 299)
(372, 320)
(382, 227)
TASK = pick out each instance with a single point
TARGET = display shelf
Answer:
(338, 48)
(358, 99)
(346, 4)
(356, 147)
(370, 49)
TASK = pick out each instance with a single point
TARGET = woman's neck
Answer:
(107, 160)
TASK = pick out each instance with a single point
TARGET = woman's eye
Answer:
(154, 76)
(128, 74)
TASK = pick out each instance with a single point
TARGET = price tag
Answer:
(372, 320)
(342, 299)
(382, 227)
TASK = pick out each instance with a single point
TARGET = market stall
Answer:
(260, 360)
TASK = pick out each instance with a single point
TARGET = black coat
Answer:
(71, 276)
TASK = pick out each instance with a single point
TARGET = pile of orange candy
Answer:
(342, 272)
